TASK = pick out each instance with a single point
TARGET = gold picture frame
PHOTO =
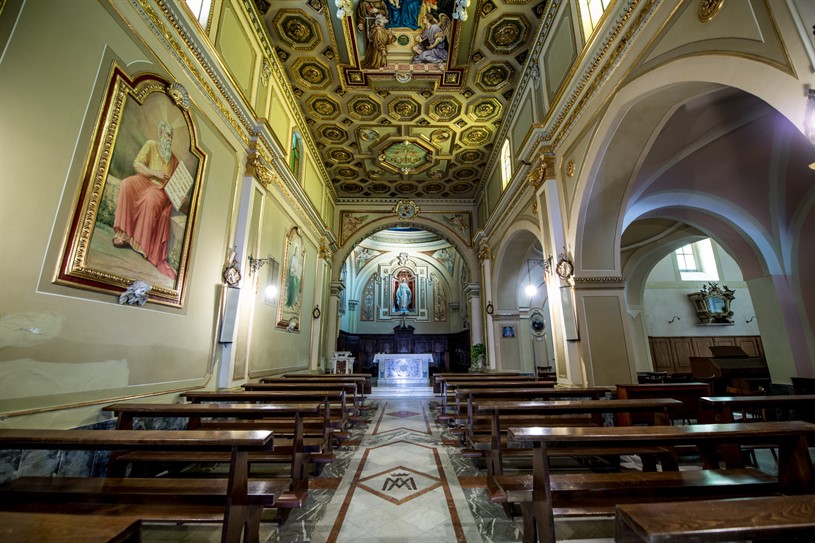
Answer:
(290, 305)
(135, 210)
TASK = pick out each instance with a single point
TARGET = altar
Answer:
(403, 370)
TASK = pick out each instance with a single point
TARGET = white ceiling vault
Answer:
(388, 120)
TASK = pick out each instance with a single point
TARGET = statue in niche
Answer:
(403, 296)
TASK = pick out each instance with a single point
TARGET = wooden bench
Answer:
(449, 384)
(723, 406)
(438, 378)
(236, 501)
(465, 397)
(56, 528)
(503, 413)
(366, 377)
(772, 518)
(543, 495)
(687, 393)
(337, 420)
(295, 452)
(353, 390)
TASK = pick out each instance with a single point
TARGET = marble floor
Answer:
(400, 478)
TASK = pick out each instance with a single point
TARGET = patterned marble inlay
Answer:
(399, 484)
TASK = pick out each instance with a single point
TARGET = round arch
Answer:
(467, 254)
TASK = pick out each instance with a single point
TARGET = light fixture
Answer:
(344, 8)
(809, 119)
(674, 319)
(256, 263)
(460, 10)
(271, 292)
(530, 289)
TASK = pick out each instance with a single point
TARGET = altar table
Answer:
(403, 370)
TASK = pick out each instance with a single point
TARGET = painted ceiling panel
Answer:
(402, 98)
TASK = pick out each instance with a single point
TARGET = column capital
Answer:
(472, 289)
(337, 287)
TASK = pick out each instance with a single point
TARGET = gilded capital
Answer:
(325, 250)
(257, 169)
(542, 169)
(484, 252)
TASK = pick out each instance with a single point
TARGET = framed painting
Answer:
(291, 288)
(135, 209)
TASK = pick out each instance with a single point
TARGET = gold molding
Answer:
(708, 9)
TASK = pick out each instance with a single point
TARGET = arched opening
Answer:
(403, 291)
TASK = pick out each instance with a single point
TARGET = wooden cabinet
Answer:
(672, 354)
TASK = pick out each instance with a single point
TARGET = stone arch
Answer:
(467, 254)
(510, 260)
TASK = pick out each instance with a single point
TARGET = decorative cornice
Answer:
(586, 283)
(190, 57)
(279, 73)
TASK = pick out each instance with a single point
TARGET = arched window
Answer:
(296, 157)
(506, 164)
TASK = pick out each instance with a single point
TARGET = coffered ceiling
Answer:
(390, 126)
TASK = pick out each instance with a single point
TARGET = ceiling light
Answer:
(531, 290)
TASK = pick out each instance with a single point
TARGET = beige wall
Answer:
(63, 346)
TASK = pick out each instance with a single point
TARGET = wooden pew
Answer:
(687, 393)
(549, 413)
(367, 378)
(296, 452)
(542, 495)
(482, 380)
(771, 518)
(56, 528)
(438, 378)
(466, 396)
(236, 501)
(339, 424)
(724, 406)
(353, 388)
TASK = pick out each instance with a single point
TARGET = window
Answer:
(590, 12)
(697, 261)
(200, 8)
(506, 164)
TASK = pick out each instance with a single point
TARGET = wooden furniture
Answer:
(339, 424)
(56, 528)
(292, 385)
(341, 362)
(367, 378)
(284, 419)
(241, 502)
(728, 364)
(803, 385)
(466, 398)
(438, 378)
(772, 518)
(672, 353)
(450, 351)
(545, 413)
(481, 380)
(723, 406)
(452, 387)
(687, 393)
(542, 494)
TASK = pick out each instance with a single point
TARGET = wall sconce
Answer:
(256, 263)
(546, 264)
(809, 120)
(674, 319)
(751, 319)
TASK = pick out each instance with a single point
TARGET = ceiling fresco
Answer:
(402, 97)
